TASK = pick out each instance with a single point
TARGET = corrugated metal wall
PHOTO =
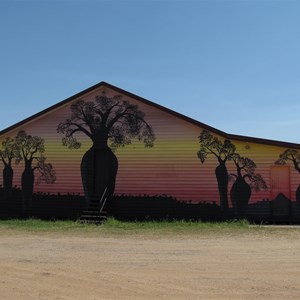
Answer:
(167, 179)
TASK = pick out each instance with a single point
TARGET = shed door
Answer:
(280, 181)
(280, 190)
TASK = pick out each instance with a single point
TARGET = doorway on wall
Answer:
(280, 191)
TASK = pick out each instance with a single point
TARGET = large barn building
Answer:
(145, 161)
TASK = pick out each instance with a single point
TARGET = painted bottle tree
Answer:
(30, 149)
(222, 151)
(293, 156)
(7, 154)
(109, 122)
(245, 180)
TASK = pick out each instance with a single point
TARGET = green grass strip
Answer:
(113, 225)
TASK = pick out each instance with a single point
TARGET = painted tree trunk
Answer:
(298, 194)
(8, 174)
(222, 178)
(98, 170)
(240, 194)
(27, 187)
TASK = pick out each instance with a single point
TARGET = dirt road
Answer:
(259, 265)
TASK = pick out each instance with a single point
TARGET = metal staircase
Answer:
(97, 211)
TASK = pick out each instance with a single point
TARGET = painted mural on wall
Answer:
(110, 122)
(223, 151)
(64, 161)
(29, 150)
(292, 156)
(244, 179)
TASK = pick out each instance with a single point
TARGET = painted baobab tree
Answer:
(7, 154)
(222, 151)
(245, 180)
(293, 156)
(30, 149)
(109, 122)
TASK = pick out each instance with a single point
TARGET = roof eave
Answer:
(178, 115)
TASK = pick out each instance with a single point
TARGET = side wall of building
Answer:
(170, 169)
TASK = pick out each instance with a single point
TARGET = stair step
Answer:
(93, 221)
(92, 213)
(87, 216)
(90, 216)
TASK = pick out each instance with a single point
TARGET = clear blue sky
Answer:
(234, 65)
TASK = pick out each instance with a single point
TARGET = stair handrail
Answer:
(102, 201)
(105, 199)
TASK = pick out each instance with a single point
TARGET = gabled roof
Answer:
(167, 110)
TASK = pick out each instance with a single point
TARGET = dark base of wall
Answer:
(42, 206)
(162, 208)
(167, 208)
(126, 207)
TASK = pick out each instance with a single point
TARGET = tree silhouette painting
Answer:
(223, 151)
(109, 122)
(30, 149)
(293, 156)
(7, 154)
(241, 189)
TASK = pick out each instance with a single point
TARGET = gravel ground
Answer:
(248, 265)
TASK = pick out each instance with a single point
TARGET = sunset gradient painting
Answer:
(170, 167)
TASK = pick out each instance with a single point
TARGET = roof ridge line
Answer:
(168, 110)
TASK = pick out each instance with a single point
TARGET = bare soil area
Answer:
(262, 264)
